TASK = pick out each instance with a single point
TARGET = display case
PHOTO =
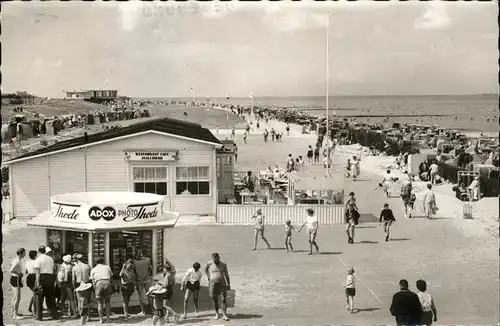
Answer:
(77, 242)
(125, 244)
(54, 241)
(98, 245)
(159, 250)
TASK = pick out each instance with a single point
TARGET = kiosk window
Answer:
(98, 245)
(193, 180)
(77, 242)
(151, 179)
(159, 250)
(54, 241)
(126, 244)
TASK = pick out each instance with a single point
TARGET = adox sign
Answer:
(135, 212)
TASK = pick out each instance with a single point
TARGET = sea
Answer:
(465, 113)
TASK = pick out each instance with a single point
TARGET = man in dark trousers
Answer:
(406, 306)
(45, 279)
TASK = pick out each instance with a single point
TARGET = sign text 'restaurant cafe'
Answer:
(152, 156)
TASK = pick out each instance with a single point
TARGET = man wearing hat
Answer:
(45, 279)
(81, 275)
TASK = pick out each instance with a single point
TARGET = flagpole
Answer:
(327, 91)
(227, 114)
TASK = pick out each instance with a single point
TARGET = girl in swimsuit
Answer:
(259, 228)
(351, 217)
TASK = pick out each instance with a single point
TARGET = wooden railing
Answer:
(278, 214)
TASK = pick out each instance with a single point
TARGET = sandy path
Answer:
(485, 211)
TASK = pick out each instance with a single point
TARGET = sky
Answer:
(268, 49)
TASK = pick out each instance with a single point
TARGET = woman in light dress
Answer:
(388, 183)
(355, 167)
(429, 202)
(312, 229)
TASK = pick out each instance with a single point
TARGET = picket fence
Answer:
(278, 214)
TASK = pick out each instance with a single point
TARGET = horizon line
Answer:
(321, 96)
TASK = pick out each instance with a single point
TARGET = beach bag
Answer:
(355, 217)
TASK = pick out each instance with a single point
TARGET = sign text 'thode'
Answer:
(66, 211)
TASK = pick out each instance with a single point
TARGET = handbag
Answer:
(355, 216)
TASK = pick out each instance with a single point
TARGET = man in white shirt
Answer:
(45, 278)
(101, 276)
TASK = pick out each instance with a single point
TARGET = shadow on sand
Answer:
(244, 316)
(366, 310)
(177, 303)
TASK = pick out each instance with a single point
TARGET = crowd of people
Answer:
(72, 286)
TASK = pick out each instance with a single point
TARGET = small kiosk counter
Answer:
(111, 225)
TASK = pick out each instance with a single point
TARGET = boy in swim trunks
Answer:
(350, 289)
(288, 235)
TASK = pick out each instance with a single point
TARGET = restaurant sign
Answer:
(167, 156)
